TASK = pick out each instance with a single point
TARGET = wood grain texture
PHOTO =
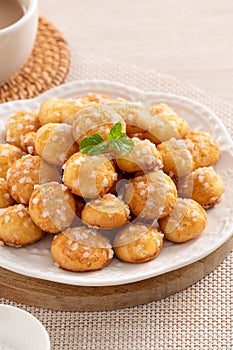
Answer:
(191, 40)
(59, 296)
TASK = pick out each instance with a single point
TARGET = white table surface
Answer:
(192, 40)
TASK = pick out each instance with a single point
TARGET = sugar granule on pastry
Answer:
(106, 212)
(138, 243)
(81, 249)
(151, 196)
(203, 185)
(177, 159)
(98, 119)
(17, 227)
(5, 197)
(89, 176)
(19, 124)
(136, 117)
(178, 123)
(54, 143)
(28, 142)
(8, 155)
(203, 147)
(186, 221)
(144, 157)
(52, 207)
(25, 173)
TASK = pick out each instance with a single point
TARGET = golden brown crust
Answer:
(97, 119)
(17, 227)
(165, 124)
(56, 110)
(177, 160)
(81, 249)
(106, 212)
(203, 185)
(187, 220)
(24, 174)
(19, 124)
(177, 122)
(203, 148)
(54, 143)
(89, 176)
(138, 243)
(144, 157)
(52, 207)
(151, 196)
(5, 197)
(28, 142)
(8, 155)
(136, 117)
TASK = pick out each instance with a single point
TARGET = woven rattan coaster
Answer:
(47, 66)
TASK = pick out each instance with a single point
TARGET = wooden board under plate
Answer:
(58, 296)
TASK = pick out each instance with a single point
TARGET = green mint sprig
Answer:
(117, 140)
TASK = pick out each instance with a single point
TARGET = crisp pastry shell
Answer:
(71, 254)
(138, 243)
(106, 212)
(17, 227)
(187, 220)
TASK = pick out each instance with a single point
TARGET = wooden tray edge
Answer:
(57, 296)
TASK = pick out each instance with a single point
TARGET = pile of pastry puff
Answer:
(100, 204)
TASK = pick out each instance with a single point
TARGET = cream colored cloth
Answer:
(198, 318)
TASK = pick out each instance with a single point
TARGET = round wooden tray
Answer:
(46, 67)
(36, 292)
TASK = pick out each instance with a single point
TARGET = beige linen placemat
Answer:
(198, 318)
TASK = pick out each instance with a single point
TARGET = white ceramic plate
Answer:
(36, 261)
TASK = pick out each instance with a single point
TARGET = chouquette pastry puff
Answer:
(177, 160)
(166, 112)
(203, 148)
(151, 196)
(136, 117)
(143, 157)
(25, 173)
(187, 220)
(54, 143)
(52, 207)
(97, 119)
(5, 197)
(56, 110)
(82, 102)
(20, 124)
(106, 212)
(81, 249)
(203, 185)
(89, 176)
(8, 155)
(28, 142)
(17, 227)
(160, 128)
(138, 243)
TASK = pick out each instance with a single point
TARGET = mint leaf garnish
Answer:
(115, 132)
(117, 139)
(98, 149)
(90, 142)
(123, 144)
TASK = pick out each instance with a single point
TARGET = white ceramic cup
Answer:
(22, 331)
(17, 40)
